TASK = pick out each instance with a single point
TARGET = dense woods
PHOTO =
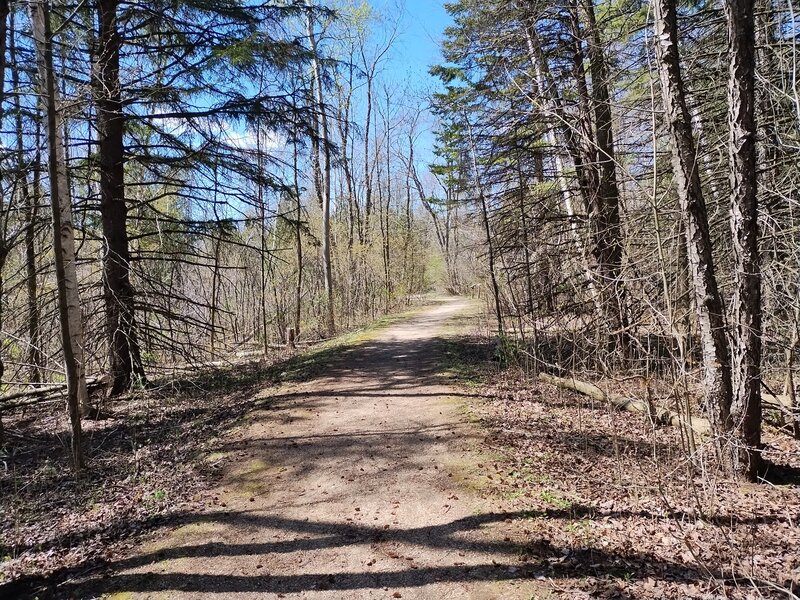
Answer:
(183, 181)
(194, 185)
(635, 173)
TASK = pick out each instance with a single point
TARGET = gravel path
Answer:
(356, 484)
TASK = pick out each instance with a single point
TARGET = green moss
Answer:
(252, 478)
(583, 528)
(463, 474)
(184, 535)
(513, 494)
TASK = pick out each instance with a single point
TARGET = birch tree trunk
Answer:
(711, 321)
(63, 232)
(552, 107)
(325, 194)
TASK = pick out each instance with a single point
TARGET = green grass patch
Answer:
(313, 362)
(555, 499)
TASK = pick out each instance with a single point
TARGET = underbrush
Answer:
(149, 460)
(621, 507)
(144, 466)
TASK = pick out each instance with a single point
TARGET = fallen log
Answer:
(780, 403)
(45, 393)
(54, 396)
(788, 410)
(659, 415)
(30, 393)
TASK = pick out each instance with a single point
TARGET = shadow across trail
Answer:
(357, 476)
(346, 477)
(534, 560)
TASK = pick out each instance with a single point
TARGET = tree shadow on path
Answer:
(538, 559)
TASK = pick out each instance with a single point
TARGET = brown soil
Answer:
(361, 482)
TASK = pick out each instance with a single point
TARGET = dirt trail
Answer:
(355, 484)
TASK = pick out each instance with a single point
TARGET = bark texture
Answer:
(604, 216)
(711, 320)
(63, 231)
(746, 354)
(125, 364)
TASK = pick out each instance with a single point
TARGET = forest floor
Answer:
(401, 462)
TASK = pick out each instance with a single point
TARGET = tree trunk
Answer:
(683, 295)
(344, 122)
(63, 232)
(364, 227)
(125, 363)
(325, 195)
(604, 215)
(746, 375)
(584, 145)
(526, 250)
(387, 273)
(657, 416)
(215, 291)
(552, 107)
(487, 232)
(298, 242)
(709, 303)
(789, 388)
(263, 254)
(4, 244)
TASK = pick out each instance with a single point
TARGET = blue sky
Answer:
(415, 51)
(424, 24)
(418, 47)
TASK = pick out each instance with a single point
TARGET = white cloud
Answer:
(245, 138)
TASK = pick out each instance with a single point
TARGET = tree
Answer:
(604, 215)
(323, 183)
(4, 243)
(747, 346)
(30, 205)
(716, 358)
(63, 232)
(125, 362)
